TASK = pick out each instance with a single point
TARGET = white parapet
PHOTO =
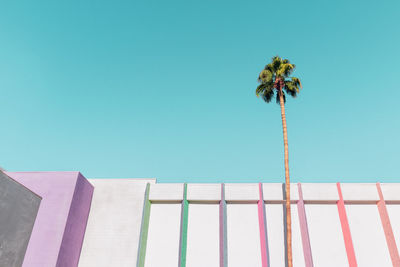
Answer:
(391, 193)
(166, 192)
(204, 192)
(242, 193)
(274, 192)
(320, 192)
(359, 193)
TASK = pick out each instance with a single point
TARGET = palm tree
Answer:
(275, 78)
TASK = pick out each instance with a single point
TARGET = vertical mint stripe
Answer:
(144, 229)
(184, 229)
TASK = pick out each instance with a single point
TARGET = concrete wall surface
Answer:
(332, 225)
(243, 236)
(164, 234)
(203, 235)
(61, 220)
(113, 229)
(137, 222)
(18, 210)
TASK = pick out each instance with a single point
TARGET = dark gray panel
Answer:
(18, 210)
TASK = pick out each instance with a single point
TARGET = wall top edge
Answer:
(6, 176)
(44, 172)
(133, 179)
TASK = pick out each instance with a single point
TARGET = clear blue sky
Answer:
(165, 89)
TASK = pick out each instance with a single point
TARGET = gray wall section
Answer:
(18, 210)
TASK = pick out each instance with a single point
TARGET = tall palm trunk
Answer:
(287, 183)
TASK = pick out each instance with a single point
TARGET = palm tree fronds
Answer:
(285, 70)
(260, 89)
(266, 90)
(265, 76)
(291, 88)
(276, 63)
(297, 82)
(268, 95)
(269, 68)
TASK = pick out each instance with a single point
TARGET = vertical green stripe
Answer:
(184, 228)
(144, 230)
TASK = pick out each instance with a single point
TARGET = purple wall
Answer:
(58, 233)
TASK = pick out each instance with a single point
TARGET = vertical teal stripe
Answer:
(144, 230)
(184, 228)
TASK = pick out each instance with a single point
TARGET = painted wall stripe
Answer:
(144, 229)
(223, 250)
(263, 228)
(387, 228)
(348, 241)
(184, 228)
(305, 237)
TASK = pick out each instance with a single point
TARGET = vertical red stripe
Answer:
(261, 222)
(387, 228)
(348, 242)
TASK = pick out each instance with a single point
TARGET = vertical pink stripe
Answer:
(221, 230)
(262, 224)
(387, 228)
(304, 229)
(348, 242)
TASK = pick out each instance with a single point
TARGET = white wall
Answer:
(394, 216)
(113, 228)
(203, 236)
(163, 237)
(114, 224)
(276, 236)
(368, 235)
(326, 236)
(297, 245)
(243, 236)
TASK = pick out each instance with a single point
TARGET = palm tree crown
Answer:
(276, 76)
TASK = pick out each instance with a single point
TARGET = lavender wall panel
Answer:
(59, 229)
(76, 224)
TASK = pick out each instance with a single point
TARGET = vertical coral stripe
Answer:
(223, 259)
(184, 228)
(144, 229)
(387, 228)
(348, 241)
(262, 224)
(304, 229)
